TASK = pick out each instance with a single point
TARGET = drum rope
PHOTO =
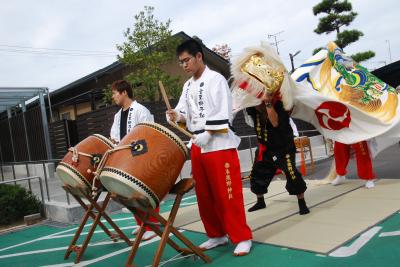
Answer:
(103, 162)
(75, 159)
(76, 153)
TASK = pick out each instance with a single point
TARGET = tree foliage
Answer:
(358, 57)
(107, 94)
(316, 50)
(331, 6)
(148, 48)
(347, 37)
(338, 14)
(16, 202)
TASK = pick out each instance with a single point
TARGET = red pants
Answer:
(219, 194)
(364, 162)
(142, 214)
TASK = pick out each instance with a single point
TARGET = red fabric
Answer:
(261, 149)
(303, 168)
(364, 161)
(151, 219)
(243, 85)
(277, 97)
(219, 193)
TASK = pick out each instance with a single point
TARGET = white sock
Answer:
(338, 180)
(214, 242)
(370, 184)
(148, 235)
(243, 248)
(136, 231)
(125, 210)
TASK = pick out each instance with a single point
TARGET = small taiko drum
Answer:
(150, 164)
(79, 164)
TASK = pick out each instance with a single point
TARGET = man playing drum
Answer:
(206, 107)
(130, 114)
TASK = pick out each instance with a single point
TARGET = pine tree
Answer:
(339, 14)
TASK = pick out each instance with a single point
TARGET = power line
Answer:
(56, 49)
(52, 52)
(49, 53)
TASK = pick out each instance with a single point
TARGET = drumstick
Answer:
(166, 100)
(176, 126)
(164, 95)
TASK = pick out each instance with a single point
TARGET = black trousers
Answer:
(264, 170)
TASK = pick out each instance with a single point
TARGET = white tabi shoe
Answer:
(148, 235)
(370, 184)
(338, 180)
(243, 248)
(136, 231)
(125, 210)
(214, 242)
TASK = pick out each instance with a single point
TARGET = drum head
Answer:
(125, 185)
(69, 176)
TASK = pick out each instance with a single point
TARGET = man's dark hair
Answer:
(121, 86)
(190, 46)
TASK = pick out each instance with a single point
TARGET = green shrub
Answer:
(16, 202)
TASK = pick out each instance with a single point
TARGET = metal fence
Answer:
(13, 176)
(52, 187)
(22, 137)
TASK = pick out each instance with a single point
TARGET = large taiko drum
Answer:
(79, 172)
(150, 166)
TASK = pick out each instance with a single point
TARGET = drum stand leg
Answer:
(72, 247)
(103, 214)
(179, 189)
(135, 245)
(96, 221)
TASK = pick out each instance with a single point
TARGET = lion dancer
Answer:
(262, 83)
(276, 151)
(363, 158)
(130, 114)
(206, 107)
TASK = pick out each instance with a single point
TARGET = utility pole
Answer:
(291, 59)
(276, 41)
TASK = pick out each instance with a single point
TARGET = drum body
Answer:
(76, 174)
(149, 167)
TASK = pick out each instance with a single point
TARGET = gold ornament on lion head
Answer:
(257, 71)
(257, 68)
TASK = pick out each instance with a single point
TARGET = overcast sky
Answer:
(98, 25)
